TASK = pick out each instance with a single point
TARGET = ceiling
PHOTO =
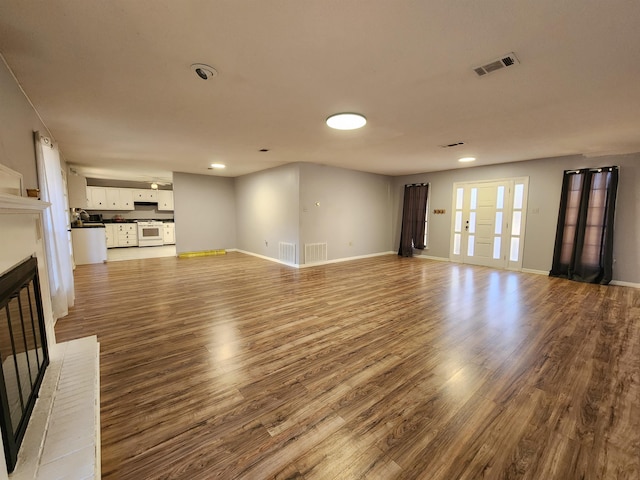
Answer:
(112, 81)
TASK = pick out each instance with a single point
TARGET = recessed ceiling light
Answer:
(467, 159)
(205, 72)
(217, 166)
(346, 121)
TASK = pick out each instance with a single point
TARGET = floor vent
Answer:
(315, 252)
(498, 64)
(287, 252)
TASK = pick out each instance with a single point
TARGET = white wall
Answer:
(354, 212)
(267, 210)
(279, 205)
(545, 184)
(18, 121)
(204, 212)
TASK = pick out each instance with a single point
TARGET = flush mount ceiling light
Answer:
(217, 166)
(205, 72)
(467, 159)
(346, 121)
(154, 186)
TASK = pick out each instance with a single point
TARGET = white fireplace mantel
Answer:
(15, 204)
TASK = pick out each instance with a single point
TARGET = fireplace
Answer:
(23, 351)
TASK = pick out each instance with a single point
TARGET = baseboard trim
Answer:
(429, 257)
(295, 265)
(346, 259)
(536, 272)
(264, 257)
(620, 283)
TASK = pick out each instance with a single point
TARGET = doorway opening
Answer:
(488, 222)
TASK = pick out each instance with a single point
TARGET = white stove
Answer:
(150, 233)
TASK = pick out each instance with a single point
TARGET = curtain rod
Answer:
(610, 169)
(416, 184)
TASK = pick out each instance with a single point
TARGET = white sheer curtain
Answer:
(55, 219)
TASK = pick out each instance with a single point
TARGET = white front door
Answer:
(488, 223)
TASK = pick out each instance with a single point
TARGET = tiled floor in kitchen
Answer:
(134, 253)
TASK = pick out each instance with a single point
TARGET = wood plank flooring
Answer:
(234, 367)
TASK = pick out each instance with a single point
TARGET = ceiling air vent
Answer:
(456, 144)
(498, 64)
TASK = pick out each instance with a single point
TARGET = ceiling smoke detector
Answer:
(205, 72)
(504, 61)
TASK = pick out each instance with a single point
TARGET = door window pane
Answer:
(472, 222)
(471, 245)
(459, 194)
(518, 196)
(498, 230)
(456, 244)
(517, 219)
(458, 223)
(515, 249)
(500, 199)
(474, 198)
(496, 247)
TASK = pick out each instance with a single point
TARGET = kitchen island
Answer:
(89, 244)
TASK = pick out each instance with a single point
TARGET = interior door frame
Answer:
(508, 237)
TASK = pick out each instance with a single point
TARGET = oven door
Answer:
(149, 236)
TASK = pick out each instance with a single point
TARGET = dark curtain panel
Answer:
(413, 219)
(584, 237)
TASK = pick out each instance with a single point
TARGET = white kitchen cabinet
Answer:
(110, 198)
(144, 195)
(96, 198)
(169, 233)
(126, 199)
(165, 200)
(127, 234)
(121, 235)
(113, 198)
(77, 190)
(89, 245)
(111, 231)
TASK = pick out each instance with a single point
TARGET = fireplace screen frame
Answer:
(20, 296)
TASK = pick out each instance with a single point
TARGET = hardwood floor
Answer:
(235, 367)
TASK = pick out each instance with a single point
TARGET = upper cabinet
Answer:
(77, 189)
(120, 199)
(111, 198)
(97, 198)
(144, 195)
(126, 198)
(108, 198)
(165, 200)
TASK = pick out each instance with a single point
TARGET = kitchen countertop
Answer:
(165, 220)
(118, 222)
(88, 225)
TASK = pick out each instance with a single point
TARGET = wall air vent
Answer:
(498, 64)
